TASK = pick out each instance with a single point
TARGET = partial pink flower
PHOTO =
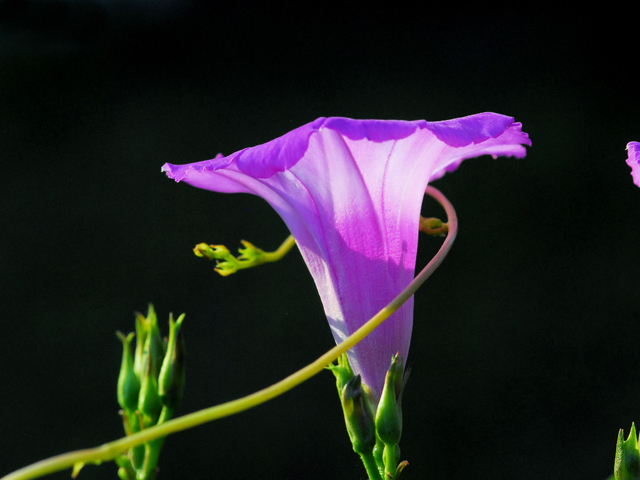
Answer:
(633, 160)
(350, 192)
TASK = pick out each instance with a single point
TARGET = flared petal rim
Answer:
(282, 153)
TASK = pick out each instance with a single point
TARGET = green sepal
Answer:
(401, 467)
(627, 463)
(126, 470)
(358, 416)
(388, 413)
(378, 452)
(342, 372)
(128, 383)
(172, 373)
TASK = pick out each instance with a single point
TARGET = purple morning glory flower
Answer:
(350, 192)
(633, 160)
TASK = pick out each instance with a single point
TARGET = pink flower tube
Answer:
(350, 192)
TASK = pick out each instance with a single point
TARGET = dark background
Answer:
(525, 348)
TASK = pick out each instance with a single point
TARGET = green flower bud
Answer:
(141, 339)
(128, 383)
(149, 401)
(433, 226)
(342, 372)
(204, 250)
(388, 414)
(358, 416)
(172, 373)
(627, 464)
(154, 345)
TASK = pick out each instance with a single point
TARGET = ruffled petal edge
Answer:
(633, 160)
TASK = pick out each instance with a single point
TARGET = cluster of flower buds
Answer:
(627, 464)
(226, 264)
(150, 387)
(374, 431)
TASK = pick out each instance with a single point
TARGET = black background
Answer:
(525, 347)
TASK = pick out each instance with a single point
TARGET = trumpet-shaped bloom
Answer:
(633, 160)
(350, 192)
